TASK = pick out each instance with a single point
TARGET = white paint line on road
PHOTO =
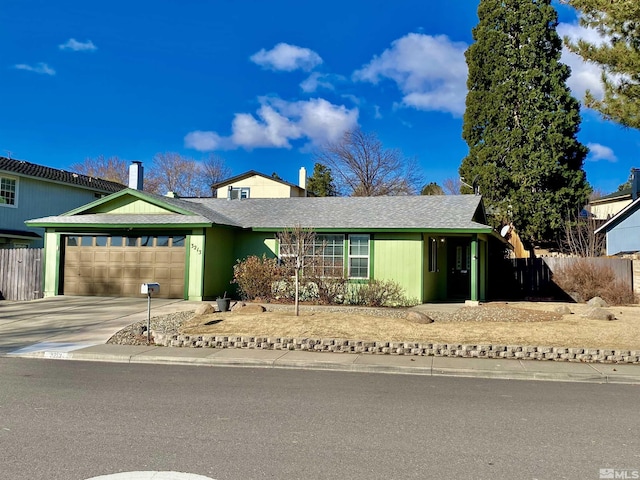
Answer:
(51, 349)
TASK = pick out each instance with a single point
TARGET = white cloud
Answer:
(278, 122)
(584, 76)
(601, 152)
(40, 68)
(205, 141)
(76, 46)
(430, 71)
(271, 129)
(315, 81)
(287, 58)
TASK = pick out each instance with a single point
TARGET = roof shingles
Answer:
(20, 167)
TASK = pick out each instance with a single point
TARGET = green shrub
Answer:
(255, 275)
(584, 280)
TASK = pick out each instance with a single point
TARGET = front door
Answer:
(459, 268)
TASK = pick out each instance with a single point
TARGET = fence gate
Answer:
(21, 273)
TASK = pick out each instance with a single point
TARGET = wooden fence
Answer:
(21, 273)
(533, 275)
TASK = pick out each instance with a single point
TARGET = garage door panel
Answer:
(101, 257)
(131, 255)
(86, 256)
(116, 256)
(147, 256)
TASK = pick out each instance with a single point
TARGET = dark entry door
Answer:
(459, 268)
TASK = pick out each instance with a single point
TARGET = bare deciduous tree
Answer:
(172, 172)
(296, 251)
(580, 238)
(362, 167)
(451, 186)
(113, 169)
(214, 170)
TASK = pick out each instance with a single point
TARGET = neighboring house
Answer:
(254, 184)
(28, 190)
(604, 208)
(435, 247)
(623, 230)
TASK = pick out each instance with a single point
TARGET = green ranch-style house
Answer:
(435, 247)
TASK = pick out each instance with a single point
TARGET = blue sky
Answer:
(260, 83)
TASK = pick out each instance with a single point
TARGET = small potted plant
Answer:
(223, 303)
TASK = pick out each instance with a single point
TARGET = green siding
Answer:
(195, 270)
(219, 261)
(399, 257)
(254, 243)
(128, 205)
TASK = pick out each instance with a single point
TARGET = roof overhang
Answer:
(19, 234)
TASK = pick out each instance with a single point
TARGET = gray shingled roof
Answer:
(437, 212)
(20, 167)
(398, 212)
(124, 219)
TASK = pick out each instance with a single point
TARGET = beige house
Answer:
(604, 208)
(254, 184)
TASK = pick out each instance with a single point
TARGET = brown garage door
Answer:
(117, 266)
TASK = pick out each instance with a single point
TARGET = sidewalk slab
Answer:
(316, 360)
(241, 356)
(394, 364)
(110, 353)
(562, 371)
(479, 367)
(614, 373)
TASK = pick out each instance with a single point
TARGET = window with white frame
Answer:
(323, 256)
(328, 256)
(358, 256)
(239, 193)
(8, 188)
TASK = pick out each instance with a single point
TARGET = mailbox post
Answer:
(148, 289)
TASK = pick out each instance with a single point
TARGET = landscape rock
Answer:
(250, 309)
(597, 302)
(597, 313)
(417, 317)
(237, 305)
(563, 310)
(204, 309)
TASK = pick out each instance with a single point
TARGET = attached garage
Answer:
(116, 265)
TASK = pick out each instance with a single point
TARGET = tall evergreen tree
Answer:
(320, 183)
(521, 121)
(619, 56)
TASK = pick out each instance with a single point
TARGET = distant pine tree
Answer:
(619, 23)
(320, 183)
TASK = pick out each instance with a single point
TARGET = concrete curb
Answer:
(355, 363)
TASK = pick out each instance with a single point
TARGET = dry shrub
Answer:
(255, 275)
(584, 280)
(376, 293)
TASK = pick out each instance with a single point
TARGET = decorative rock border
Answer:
(338, 345)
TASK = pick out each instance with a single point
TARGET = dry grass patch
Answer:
(502, 324)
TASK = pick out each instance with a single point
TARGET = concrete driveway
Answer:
(67, 323)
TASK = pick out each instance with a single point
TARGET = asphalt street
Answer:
(77, 420)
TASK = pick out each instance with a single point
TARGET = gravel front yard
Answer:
(518, 323)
